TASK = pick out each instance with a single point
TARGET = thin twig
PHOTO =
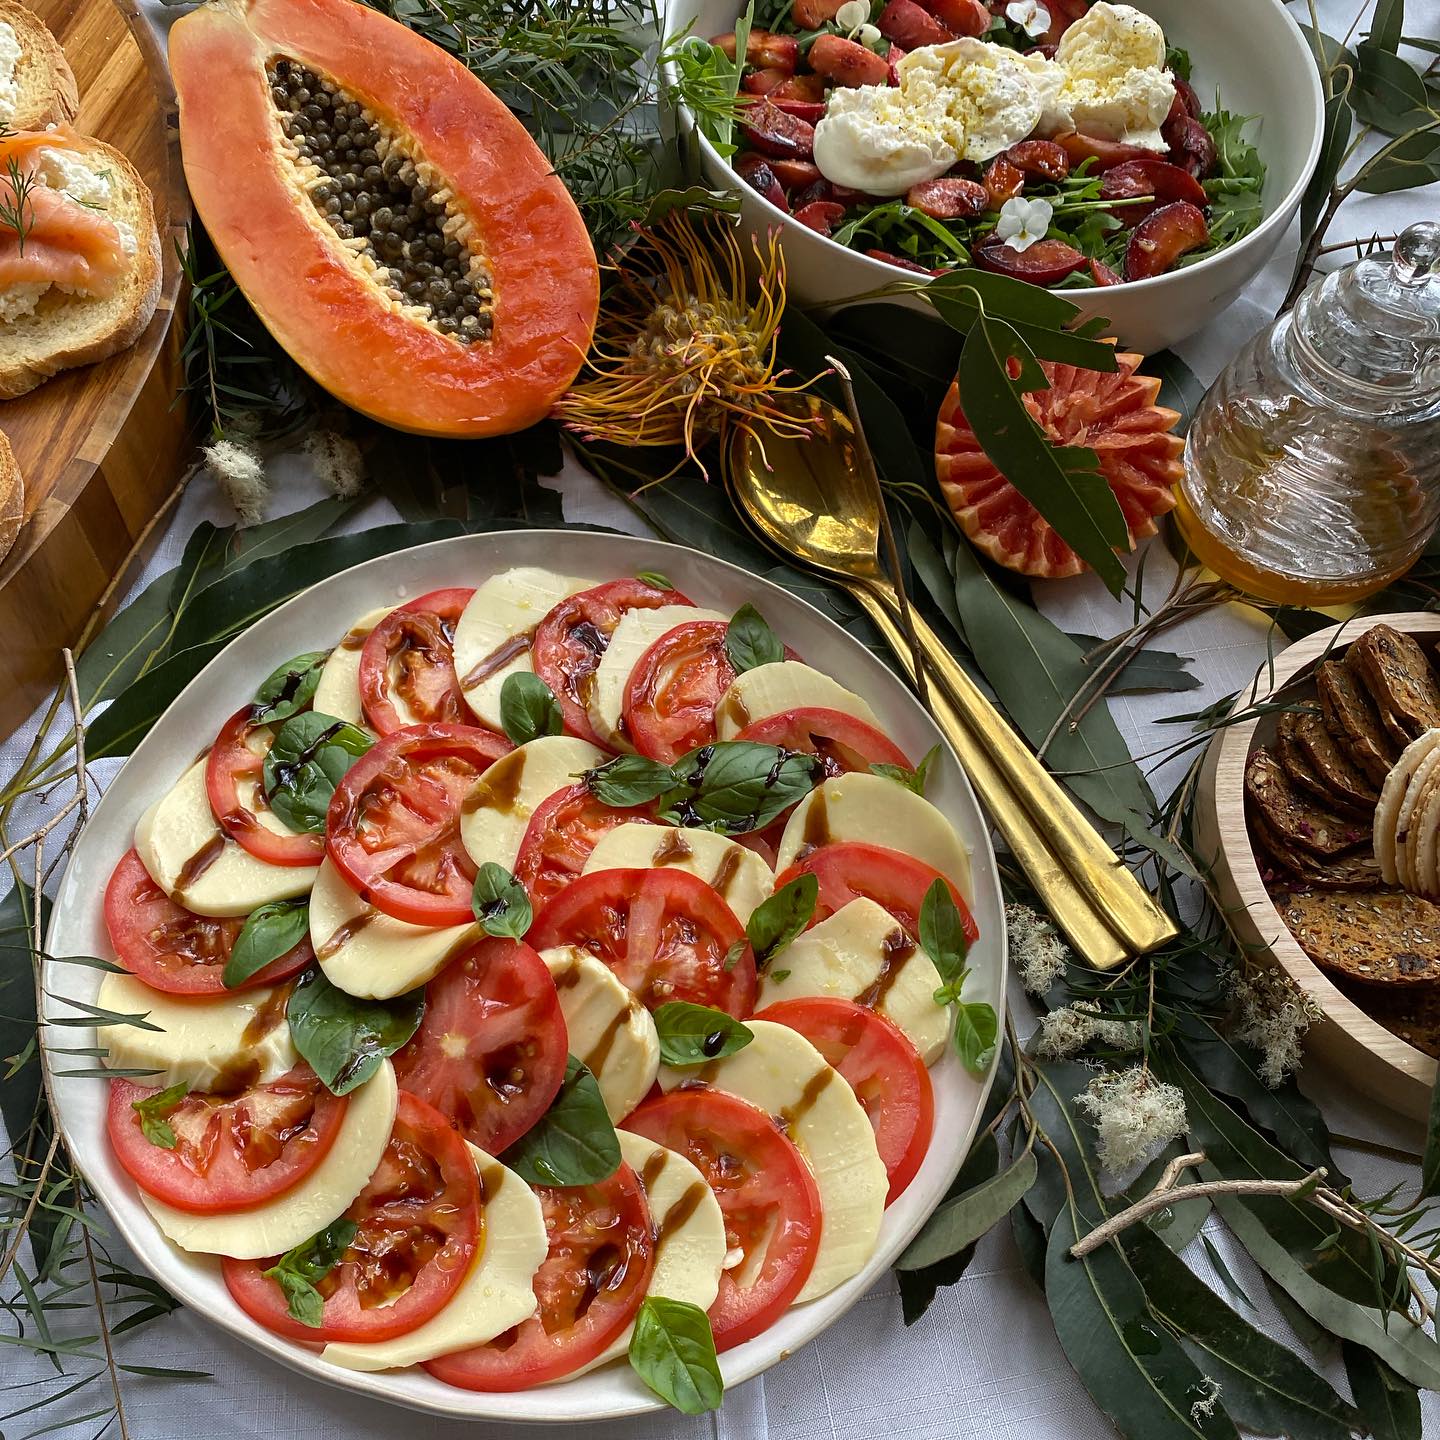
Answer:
(104, 1324)
(30, 1207)
(82, 778)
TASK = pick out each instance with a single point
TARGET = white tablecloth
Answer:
(984, 1360)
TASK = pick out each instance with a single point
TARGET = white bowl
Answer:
(1251, 49)
(312, 621)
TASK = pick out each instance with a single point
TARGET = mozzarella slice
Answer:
(740, 876)
(637, 631)
(610, 1030)
(325, 1194)
(784, 685)
(493, 816)
(220, 1043)
(860, 953)
(338, 692)
(875, 811)
(492, 639)
(689, 1231)
(787, 1077)
(370, 954)
(494, 1296)
(191, 860)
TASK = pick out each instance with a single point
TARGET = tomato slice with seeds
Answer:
(880, 1065)
(666, 933)
(766, 1192)
(842, 743)
(590, 1285)
(562, 832)
(896, 881)
(409, 658)
(393, 827)
(173, 949)
(420, 1225)
(490, 1053)
(673, 690)
(232, 1150)
(234, 783)
(570, 640)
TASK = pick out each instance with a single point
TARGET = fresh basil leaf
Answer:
(152, 1112)
(910, 779)
(528, 708)
(750, 642)
(269, 932)
(344, 1039)
(289, 689)
(778, 919)
(629, 780)
(672, 1349)
(297, 1271)
(733, 954)
(942, 933)
(500, 903)
(693, 1034)
(654, 579)
(574, 1142)
(736, 786)
(778, 975)
(976, 1027)
(305, 763)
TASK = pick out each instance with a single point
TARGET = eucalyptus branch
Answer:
(110, 1364)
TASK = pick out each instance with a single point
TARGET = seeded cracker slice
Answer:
(1282, 865)
(1381, 937)
(1410, 1011)
(1353, 721)
(1298, 766)
(1400, 678)
(1390, 812)
(1341, 775)
(1297, 818)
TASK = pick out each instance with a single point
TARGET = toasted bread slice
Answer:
(1401, 679)
(12, 497)
(1303, 773)
(1283, 865)
(1298, 818)
(1410, 1011)
(65, 330)
(45, 92)
(1378, 936)
(1344, 779)
(1353, 720)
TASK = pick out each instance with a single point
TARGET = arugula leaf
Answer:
(500, 903)
(1177, 60)
(736, 786)
(672, 1349)
(528, 708)
(910, 779)
(269, 932)
(692, 1034)
(344, 1039)
(779, 918)
(654, 579)
(306, 762)
(942, 935)
(297, 1271)
(289, 689)
(574, 1142)
(750, 642)
(153, 1110)
(629, 780)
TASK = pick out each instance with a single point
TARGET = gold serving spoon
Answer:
(815, 501)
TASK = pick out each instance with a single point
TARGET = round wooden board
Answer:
(101, 446)
(1377, 1061)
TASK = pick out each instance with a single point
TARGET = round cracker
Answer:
(1407, 820)
(1392, 797)
(1425, 842)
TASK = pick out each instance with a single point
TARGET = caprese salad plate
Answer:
(545, 972)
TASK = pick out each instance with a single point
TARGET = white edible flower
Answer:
(1022, 222)
(240, 474)
(852, 14)
(1036, 949)
(1030, 15)
(1068, 1030)
(869, 36)
(337, 462)
(1133, 1113)
(1272, 1013)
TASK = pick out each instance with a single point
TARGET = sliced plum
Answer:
(756, 172)
(764, 50)
(1042, 158)
(900, 262)
(847, 63)
(1191, 147)
(1003, 181)
(1136, 179)
(961, 17)
(948, 198)
(809, 88)
(1102, 274)
(1105, 153)
(821, 215)
(795, 174)
(812, 14)
(1046, 262)
(810, 111)
(1162, 238)
(762, 82)
(911, 27)
(776, 133)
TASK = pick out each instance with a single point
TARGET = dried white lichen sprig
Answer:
(240, 474)
(1037, 950)
(1204, 1407)
(337, 461)
(1272, 1013)
(1133, 1113)
(1068, 1030)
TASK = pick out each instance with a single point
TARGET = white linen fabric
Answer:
(984, 1360)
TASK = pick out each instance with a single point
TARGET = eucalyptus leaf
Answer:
(750, 642)
(298, 1271)
(344, 1038)
(20, 1092)
(306, 761)
(1404, 164)
(1389, 92)
(1335, 141)
(1180, 387)
(1387, 24)
(672, 1349)
(695, 1034)
(737, 786)
(1144, 671)
(269, 932)
(1430, 1165)
(289, 689)
(960, 1222)
(574, 1142)
(500, 903)
(153, 1111)
(780, 917)
(528, 708)
(1390, 1405)
(127, 720)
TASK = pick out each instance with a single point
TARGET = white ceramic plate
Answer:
(314, 621)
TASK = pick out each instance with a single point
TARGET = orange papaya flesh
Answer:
(333, 303)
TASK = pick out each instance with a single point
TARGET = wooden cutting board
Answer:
(100, 447)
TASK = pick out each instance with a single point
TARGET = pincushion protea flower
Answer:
(681, 355)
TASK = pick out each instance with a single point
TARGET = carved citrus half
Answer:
(1114, 415)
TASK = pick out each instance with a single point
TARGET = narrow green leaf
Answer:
(1143, 672)
(127, 720)
(960, 1222)
(1387, 24)
(1335, 141)
(1390, 1405)
(1389, 93)
(1430, 1165)
(694, 1034)
(672, 1349)
(344, 1038)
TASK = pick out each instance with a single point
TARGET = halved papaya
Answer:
(389, 219)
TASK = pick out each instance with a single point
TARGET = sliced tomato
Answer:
(666, 933)
(232, 1150)
(237, 796)
(841, 742)
(589, 1286)
(880, 1065)
(410, 656)
(490, 1053)
(419, 1223)
(766, 1192)
(562, 832)
(570, 640)
(673, 690)
(898, 882)
(173, 949)
(393, 828)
